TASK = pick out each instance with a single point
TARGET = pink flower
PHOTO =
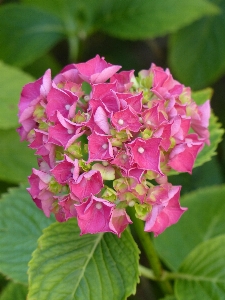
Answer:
(96, 70)
(86, 184)
(99, 147)
(183, 156)
(66, 170)
(119, 221)
(94, 215)
(166, 209)
(146, 153)
(126, 119)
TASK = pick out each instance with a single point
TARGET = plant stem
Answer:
(150, 253)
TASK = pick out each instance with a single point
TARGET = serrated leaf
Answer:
(68, 266)
(21, 224)
(148, 18)
(11, 83)
(14, 291)
(17, 159)
(203, 220)
(201, 96)
(203, 272)
(197, 52)
(27, 33)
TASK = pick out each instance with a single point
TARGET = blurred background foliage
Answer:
(186, 36)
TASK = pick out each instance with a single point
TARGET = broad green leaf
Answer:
(149, 18)
(127, 19)
(21, 224)
(197, 52)
(17, 159)
(11, 82)
(27, 33)
(202, 95)
(169, 298)
(68, 266)
(203, 220)
(14, 291)
(203, 272)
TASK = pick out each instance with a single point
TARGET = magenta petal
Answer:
(99, 147)
(166, 213)
(96, 70)
(119, 221)
(87, 183)
(146, 153)
(93, 216)
(183, 156)
(126, 119)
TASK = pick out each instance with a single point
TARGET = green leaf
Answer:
(168, 298)
(11, 83)
(21, 224)
(203, 220)
(68, 266)
(149, 18)
(203, 95)
(197, 52)
(27, 33)
(203, 272)
(127, 19)
(14, 291)
(17, 159)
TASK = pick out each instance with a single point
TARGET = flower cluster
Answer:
(106, 141)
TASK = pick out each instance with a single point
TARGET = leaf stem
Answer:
(151, 254)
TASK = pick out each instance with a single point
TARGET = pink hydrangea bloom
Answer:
(113, 147)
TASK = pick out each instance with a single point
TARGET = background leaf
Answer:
(14, 291)
(203, 272)
(30, 33)
(197, 52)
(129, 19)
(11, 86)
(17, 159)
(203, 220)
(148, 18)
(21, 224)
(68, 266)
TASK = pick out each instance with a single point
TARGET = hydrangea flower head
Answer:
(106, 141)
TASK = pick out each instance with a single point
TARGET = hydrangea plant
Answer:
(106, 142)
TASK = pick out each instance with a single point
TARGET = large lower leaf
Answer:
(17, 159)
(203, 272)
(14, 291)
(21, 224)
(203, 220)
(27, 33)
(89, 267)
(197, 52)
(11, 83)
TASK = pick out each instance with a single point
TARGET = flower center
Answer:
(98, 205)
(70, 131)
(86, 98)
(67, 106)
(105, 146)
(141, 150)
(120, 122)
